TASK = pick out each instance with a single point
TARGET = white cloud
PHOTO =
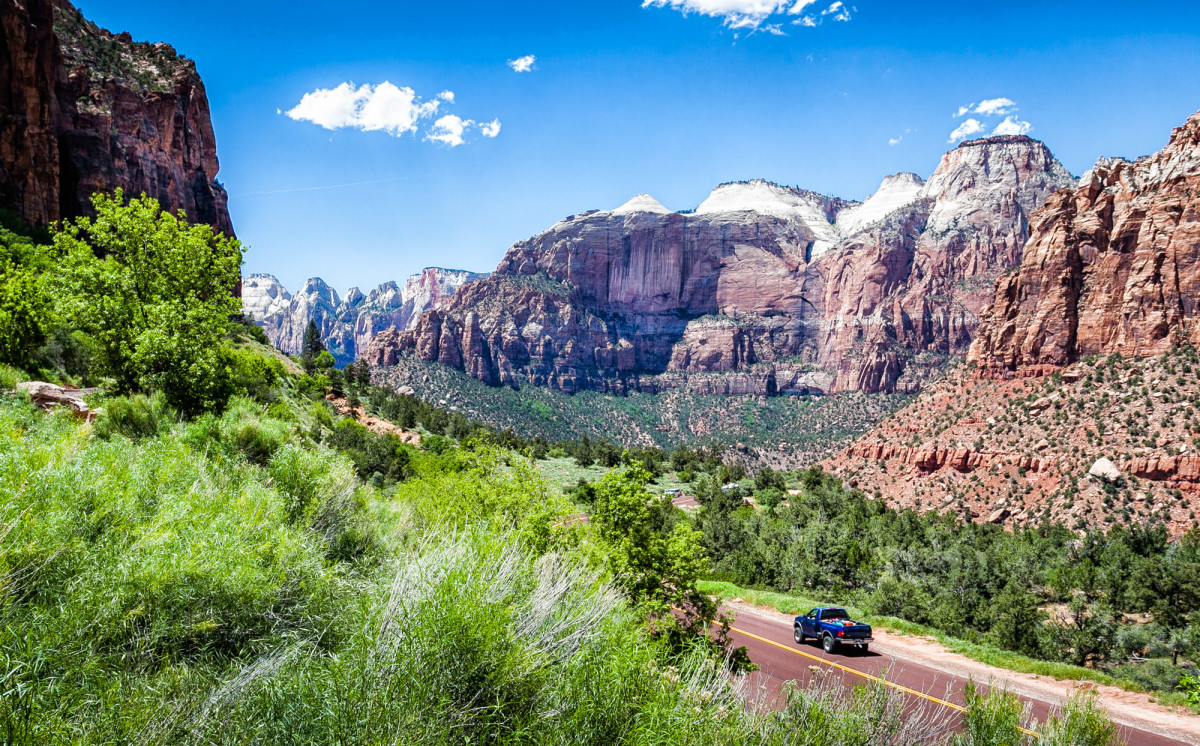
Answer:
(970, 127)
(449, 130)
(754, 14)
(523, 64)
(995, 106)
(387, 108)
(383, 107)
(1012, 126)
(895, 140)
(990, 107)
(838, 10)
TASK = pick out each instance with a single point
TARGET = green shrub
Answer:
(254, 375)
(243, 430)
(476, 640)
(10, 376)
(1083, 723)
(133, 569)
(324, 495)
(135, 417)
(993, 719)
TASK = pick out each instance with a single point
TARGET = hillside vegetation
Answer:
(1039, 437)
(221, 557)
(778, 431)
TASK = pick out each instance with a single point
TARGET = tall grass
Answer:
(479, 640)
(129, 571)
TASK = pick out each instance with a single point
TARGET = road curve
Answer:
(781, 660)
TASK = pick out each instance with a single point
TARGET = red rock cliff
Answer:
(761, 289)
(1112, 265)
(83, 110)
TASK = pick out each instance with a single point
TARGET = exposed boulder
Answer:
(1105, 469)
(48, 395)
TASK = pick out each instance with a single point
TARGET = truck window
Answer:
(834, 614)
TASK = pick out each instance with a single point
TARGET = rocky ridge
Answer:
(1079, 398)
(347, 324)
(83, 110)
(762, 289)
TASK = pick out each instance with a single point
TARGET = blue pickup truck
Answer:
(833, 627)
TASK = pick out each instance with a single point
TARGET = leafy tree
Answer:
(657, 558)
(324, 361)
(1169, 590)
(154, 295)
(25, 308)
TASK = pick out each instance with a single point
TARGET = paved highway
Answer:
(781, 660)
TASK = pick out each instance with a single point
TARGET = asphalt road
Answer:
(781, 660)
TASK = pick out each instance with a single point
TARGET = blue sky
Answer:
(669, 99)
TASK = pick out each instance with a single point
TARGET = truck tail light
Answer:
(841, 634)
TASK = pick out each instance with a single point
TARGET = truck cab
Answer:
(833, 627)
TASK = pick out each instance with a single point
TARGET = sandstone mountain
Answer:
(346, 324)
(1086, 352)
(83, 110)
(762, 289)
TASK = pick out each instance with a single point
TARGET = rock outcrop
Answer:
(931, 458)
(777, 288)
(347, 324)
(83, 110)
(1113, 266)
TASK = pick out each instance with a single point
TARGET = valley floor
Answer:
(783, 432)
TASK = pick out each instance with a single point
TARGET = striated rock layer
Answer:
(1114, 266)
(347, 324)
(762, 289)
(83, 110)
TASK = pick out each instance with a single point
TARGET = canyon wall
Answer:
(1114, 266)
(761, 289)
(83, 110)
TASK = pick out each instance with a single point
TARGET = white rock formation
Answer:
(347, 324)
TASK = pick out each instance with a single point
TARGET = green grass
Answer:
(564, 473)
(984, 653)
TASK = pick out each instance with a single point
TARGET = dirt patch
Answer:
(374, 424)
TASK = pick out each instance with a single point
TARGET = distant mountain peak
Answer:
(642, 203)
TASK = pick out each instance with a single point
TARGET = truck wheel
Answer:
(828, 643)
(798, 635)
(863, 649)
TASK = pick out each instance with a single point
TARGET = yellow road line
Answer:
(876, 679)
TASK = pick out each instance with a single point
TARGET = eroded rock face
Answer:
(1113, 266)
(83, 110)
(785, 288)
(347, 324)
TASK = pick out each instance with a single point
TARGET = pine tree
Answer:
(312, 345)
